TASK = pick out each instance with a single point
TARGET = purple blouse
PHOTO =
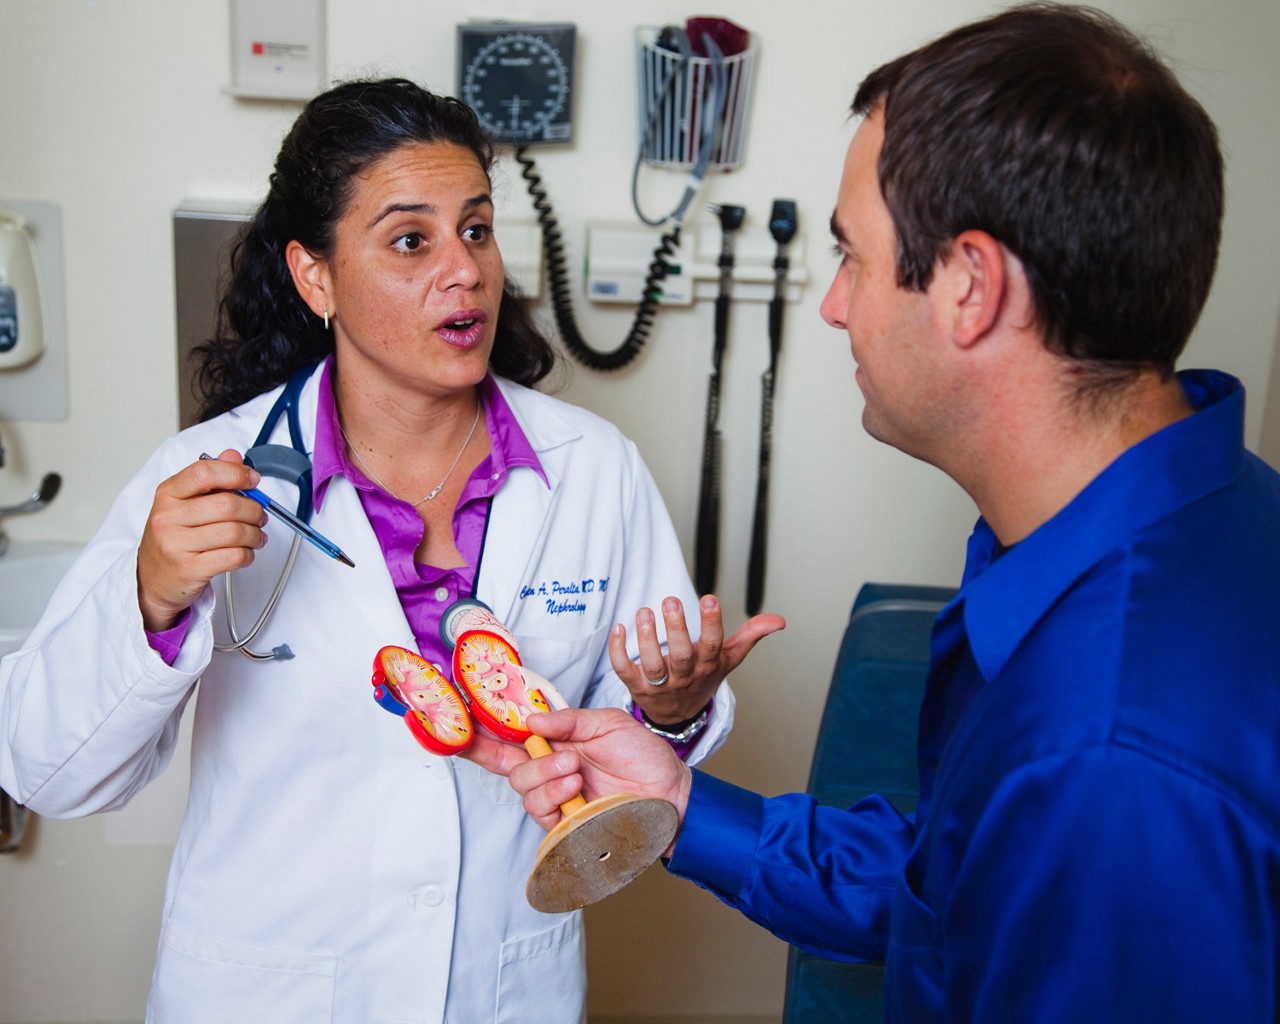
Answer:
(426, 591)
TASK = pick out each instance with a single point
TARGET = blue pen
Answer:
(293, 522)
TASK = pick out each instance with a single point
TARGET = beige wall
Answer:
(1269, 442)
(114, 111)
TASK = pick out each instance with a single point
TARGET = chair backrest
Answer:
(866, 744)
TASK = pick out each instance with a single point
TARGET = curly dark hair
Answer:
(264, 330)
(1067, 139)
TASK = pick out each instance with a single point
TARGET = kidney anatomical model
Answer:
(599, 846)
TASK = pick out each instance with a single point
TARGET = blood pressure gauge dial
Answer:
(518, 79)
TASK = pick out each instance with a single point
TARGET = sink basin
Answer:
(29, 571)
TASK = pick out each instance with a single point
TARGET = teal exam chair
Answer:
(866, 744)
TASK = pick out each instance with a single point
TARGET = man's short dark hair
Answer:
(1066, 138)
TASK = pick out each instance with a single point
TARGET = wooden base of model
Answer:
(598, 847)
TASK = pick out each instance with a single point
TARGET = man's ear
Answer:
(977, 283)
(311, 277)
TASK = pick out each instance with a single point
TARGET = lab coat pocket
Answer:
(541, 977)
(203, 980)
(568, 662)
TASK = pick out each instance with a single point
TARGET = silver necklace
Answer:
(438, 487)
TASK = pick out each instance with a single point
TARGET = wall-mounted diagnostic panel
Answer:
(518, 78)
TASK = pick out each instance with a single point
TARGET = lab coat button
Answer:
(442, 593)
(431, 896)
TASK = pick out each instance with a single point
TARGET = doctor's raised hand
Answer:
(672, 692)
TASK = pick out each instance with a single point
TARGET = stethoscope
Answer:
(293, 465)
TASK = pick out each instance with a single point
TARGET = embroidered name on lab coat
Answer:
(564, 598)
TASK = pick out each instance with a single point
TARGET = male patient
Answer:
(1028, 221)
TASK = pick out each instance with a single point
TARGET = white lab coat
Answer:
(329, 868)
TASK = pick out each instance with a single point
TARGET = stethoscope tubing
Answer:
(286, 404)
(241, 643)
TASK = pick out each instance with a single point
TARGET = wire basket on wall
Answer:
(678, 101)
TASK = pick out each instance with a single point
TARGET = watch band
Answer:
(676, 732)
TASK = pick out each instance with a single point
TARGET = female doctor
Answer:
(328, 868)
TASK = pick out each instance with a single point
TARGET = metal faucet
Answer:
(47, 491)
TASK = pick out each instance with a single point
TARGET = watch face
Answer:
(517, 78)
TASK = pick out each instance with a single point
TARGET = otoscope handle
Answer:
(759, 524)
(721, 327)
(706, 554)
(776, 307)
(782, 225)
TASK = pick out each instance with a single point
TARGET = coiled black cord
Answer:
(561, 296)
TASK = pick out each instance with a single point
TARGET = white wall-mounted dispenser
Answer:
(21, 302)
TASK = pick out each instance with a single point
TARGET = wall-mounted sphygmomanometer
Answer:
(694, 81)
(21, 302)
(519, 79)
